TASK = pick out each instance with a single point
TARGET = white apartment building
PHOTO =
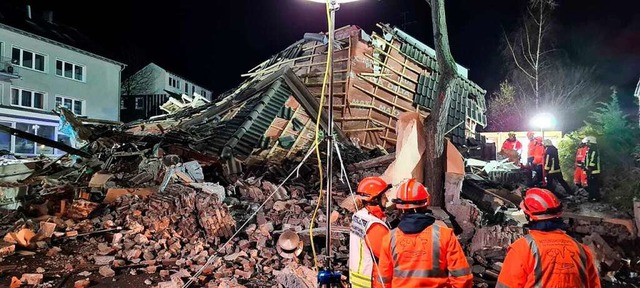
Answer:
(150, 87)
(45, 65)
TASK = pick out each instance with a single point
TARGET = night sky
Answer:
(212, 42)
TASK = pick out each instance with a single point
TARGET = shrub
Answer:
(619, 146)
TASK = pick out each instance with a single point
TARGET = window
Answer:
(178, 84)
(122, 105)
(204, 94)
(24, 146)
(5, 138)
(193, 90)
(74, 105)
(186, 88)
(28, 59)
(70, 70)
(27, 98)
(139, 103)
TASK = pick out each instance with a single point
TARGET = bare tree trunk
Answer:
(637, 94)
(436, 123)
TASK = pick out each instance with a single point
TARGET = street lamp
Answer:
(543, 121)
(337, 1)
(334, 5)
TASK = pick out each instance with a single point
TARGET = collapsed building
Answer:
(201, 195)
(376, 77)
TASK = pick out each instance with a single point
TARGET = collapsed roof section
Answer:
(377, 77)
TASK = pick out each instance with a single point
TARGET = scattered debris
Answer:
(167, 196)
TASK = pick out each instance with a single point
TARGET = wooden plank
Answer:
(386, 89)
(372, 163)
(398, 49)
(383, 100)
(364, 129)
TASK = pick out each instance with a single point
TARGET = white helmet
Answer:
(547, 142)
(589, 139)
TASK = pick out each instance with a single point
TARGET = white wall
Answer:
(162, 82)
(100, 90)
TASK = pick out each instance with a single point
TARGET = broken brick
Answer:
(106, 271)
(152, 269)
(84, 283)
(32, 279)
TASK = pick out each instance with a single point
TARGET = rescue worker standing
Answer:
(547, 256)
(592, 166)
(367, 229)
(552, 169)
(512, 148)
(538, 162)
(580, 174)
(421, 253)
(530, 148)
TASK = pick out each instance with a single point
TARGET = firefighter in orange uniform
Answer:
(547, 256)
(511, 148)
(530, 148)
(580, 175)
(421, 253)
(538, 161)
(367, 229)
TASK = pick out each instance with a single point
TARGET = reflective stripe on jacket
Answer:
(431, 258)
(593, 160)
(548, 259)
(361, 262)
(552, 161)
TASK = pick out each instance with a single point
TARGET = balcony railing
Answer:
(8, 70)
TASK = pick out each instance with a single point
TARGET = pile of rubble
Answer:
(132, 209)
(150, 207)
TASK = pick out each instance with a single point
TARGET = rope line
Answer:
(212, 257)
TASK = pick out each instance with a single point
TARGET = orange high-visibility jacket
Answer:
(548, 259)
(538, 154)
(431, 258)
(580, 175)
(531, 147)
(581, 155)
(512, 145)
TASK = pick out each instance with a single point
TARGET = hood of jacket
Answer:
(414, 223)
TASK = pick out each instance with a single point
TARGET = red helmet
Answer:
(529, 134)
(541, 204)
(412, 194)
(370, 187)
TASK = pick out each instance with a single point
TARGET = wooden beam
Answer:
(372, 163)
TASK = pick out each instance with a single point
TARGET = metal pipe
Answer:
(334, 7)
